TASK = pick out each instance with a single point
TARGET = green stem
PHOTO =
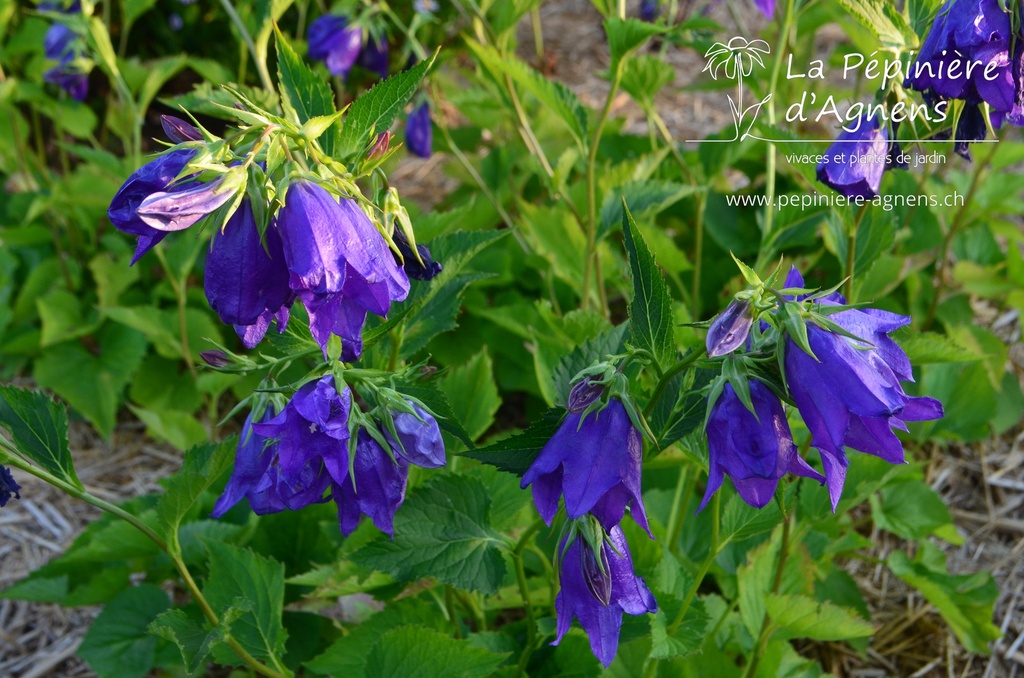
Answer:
(675, 519)
(14, 459)
(261, 66)
(713, 550)
(955, 226)
(538, 34)
(669, 374)
(851, 253)
(453, 617)
(595, 143)
(180, 295)
(769, 188)
(766, 628)
(524, 592)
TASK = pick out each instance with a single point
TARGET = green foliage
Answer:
(443, 531)
(39, 430)
(117, 643)
(650, 309)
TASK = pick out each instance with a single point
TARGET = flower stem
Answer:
(261, 66)
(766, 627)
(524, 592)
(851, 253)
(595, 143)
(10, 456)
(769, 184)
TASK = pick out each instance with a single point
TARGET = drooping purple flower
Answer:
(179, 131)
(730, 329)
(246, 281)
(851, 395)
(374, 56)
(339, 264)
(336, 43)
(418, 132)
(755, 452)
(595, 463)
(8, 487)
(419, 438)
(865, 159)
(413, 268)
(259, 476)
(376, 487)
(155, 176)
(181, 207)
(972, 54)
(598, 599)
(767, 7)
(649, 10)
(62, 45)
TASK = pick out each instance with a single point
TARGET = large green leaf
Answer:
(516, 452)
(39, 430)
(442, 531)
(805, 617)
(965, 601)
(304, 92)
(554, 96)
(425, 653)
(242, 580)
(95, 384)
(202, 467)
(650, 309)
(473, 394)
(117, 644)
(376, 110)
(672, 585)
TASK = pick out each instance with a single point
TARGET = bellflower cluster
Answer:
(8, 487)
(63, 45)
(847, 390)
(594, 462)
(972, 54)
(864, 154)
(290, 459)
(337, 42)
(319, 248)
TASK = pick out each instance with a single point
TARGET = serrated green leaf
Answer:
(426, 653)
(966, 602)
(305, 93)
(39, 430)
(928, 347)
(672, 585)
(202, 467)
(805, 617)
(627, 35)
(741, 521)
(909, 509)
(554, 96)
(94, 387)
(347, 655)
(376, 110)
(472, 392)
(644, 76)
(241, 579)
(884, 20)
(650, 309)
(193, 641)
(643, 197)
(516, 452)
(443, 531)
(117, 644)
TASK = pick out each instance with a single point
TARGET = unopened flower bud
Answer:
(596, 572)
(730, 329)
(179, 131)
(583, 395)
(380, 147)
(215, 358)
